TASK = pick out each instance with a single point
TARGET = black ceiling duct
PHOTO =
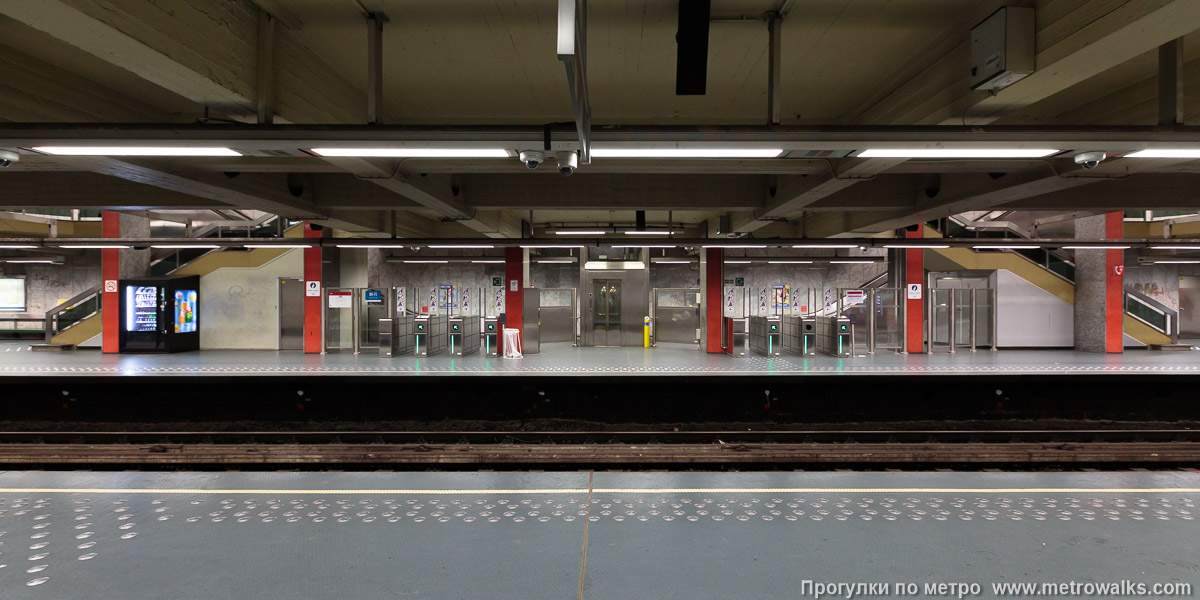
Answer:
(691, 65)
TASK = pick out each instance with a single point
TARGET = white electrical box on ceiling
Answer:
(1003, 51)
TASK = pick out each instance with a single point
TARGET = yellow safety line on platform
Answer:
(412, 492)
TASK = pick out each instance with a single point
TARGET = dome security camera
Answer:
(532, 158)
(8, 157)
(567, 162)
(1090, 160)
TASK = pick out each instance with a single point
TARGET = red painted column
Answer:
(313, 336)
(914, 273)
(714, 299)
(1114, 286)
(514, 282)
(110, 297)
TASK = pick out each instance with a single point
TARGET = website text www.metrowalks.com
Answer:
(1062, 589)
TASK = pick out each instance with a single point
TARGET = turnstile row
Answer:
(427, 335)
(835, 336)
(800, 335)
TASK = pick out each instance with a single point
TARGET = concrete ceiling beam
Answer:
(92, 191)
(1071, 48)
(594, 191)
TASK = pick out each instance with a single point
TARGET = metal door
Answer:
(1189, 307)
(341, 319)
(676, 315)
(606, 312)
(291, 313)
(373, 306)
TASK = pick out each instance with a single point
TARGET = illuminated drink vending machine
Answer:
(160, 314)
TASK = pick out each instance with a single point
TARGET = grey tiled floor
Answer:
(563, 359)
(525, 535)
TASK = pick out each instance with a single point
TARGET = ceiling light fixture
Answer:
(371, 245)
(1096, 247)
(17, 247)
(957, 153)
(826, 246)
(488, 262)
(463, 247)
(133, 151)
(915, 246)
(29, 261)
(1151, 247)
(737, 247)
(600, 152)
(412, 152)
(1170, 262)
(648, 246)
(288, 246)
(427, 262)
(95, 246)
(789, 262)
(579, 232)
(186, 247)
(555, 261)
(649, 232)
(535, 246)
(852, 262)
(671, 262)
(738, 262)
(1165, 153)
(1017, 247)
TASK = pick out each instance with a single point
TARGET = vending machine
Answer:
(160, 314)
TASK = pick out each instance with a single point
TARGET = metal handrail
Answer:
(51, 319)
(1172, 316)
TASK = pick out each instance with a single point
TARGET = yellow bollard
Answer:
(645, 332)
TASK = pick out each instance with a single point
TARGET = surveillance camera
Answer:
(532, 158)
(8, 157)
(567, 162)
(1090, 160)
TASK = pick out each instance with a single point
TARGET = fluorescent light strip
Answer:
(1165, 153)
(371, 245)
(737, 247)
(548, 246)
(556, 262)
(96, 246)
(853, 262)
(31, 262)
(738, 262)
(1025, 247)
(1161, 262)
(648, 246)
(462, 247)
(427, 262)
(1151, 247)
(957, 153)
(17, 247)
(187, 247)
(826, 246)
(290, 246)
(789, 262)
(133, 151)
(914, 246)
(488, 262)
(671, 262)
(1096, 247)
(686, 152)
(651, 232)
(412, 152)
(580, 232)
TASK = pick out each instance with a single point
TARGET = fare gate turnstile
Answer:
(429, 335)
(835, 336)
(464, 335)
(491, 336)
(395, 336)
(735, 336)
(765, 335)
(800, 335)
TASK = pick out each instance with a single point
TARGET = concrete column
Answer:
(914, 275)
(313, 325)
(1099, 287)
(714, 298)
(117, 264)
(377, 269)
(516, 273)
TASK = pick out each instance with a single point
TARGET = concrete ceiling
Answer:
(478, 63)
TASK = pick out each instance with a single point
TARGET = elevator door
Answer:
(606, 321)
(291, 314)
(1189, 307)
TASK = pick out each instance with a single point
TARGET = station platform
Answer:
(586, 535)
(564, 359)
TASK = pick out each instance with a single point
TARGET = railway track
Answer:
(617, 448)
